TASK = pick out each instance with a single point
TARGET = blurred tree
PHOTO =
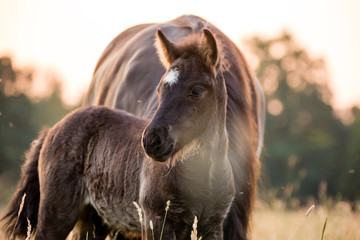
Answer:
(21, 117)
(350, 180)
(305, 144)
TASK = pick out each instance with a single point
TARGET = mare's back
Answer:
(129, 70)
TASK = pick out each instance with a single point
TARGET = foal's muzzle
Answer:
(158, 143)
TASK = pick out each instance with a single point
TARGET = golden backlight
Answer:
(67, 37)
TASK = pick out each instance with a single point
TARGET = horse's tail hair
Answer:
(23, 208)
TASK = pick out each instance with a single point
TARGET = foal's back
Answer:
(92, 157)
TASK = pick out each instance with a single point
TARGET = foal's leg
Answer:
(61, 201)
(168, 232)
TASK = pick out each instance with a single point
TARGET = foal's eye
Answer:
(197, 92)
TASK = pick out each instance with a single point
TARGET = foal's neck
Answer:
(206, 168)
(210, 147)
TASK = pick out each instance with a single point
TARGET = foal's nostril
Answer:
(157, 143)
(156, 140)
(152, 140)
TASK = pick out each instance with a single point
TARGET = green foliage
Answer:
(350, 180)
(306, 146)
(21, 118)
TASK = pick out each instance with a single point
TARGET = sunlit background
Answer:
(305, 53)
(67, 37)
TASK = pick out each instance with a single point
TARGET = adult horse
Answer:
(128, 73)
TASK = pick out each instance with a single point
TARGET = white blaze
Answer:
(171, 77)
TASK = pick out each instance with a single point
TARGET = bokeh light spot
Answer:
(275, 107)
(277, 50)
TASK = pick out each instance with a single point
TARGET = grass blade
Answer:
(152, 229)
(138, 208)
(166, 210)
(323, 231)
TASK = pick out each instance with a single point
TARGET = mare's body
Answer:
(128, 73)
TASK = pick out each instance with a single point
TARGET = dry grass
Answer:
(276, 223)
(194, 234)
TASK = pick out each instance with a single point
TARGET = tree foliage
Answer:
(21, 118)
(308, 151)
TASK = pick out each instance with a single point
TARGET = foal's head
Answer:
(192, 95)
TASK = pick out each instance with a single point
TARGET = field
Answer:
(276, 223)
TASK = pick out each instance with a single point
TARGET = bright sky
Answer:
(68, 36)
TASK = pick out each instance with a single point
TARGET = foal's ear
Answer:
(209, 49)
(166, 49)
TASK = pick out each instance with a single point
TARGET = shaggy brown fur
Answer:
(94, 159)
(68, 161)
(128, 73)
(198, 148)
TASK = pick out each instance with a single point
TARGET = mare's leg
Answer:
(90, 226)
